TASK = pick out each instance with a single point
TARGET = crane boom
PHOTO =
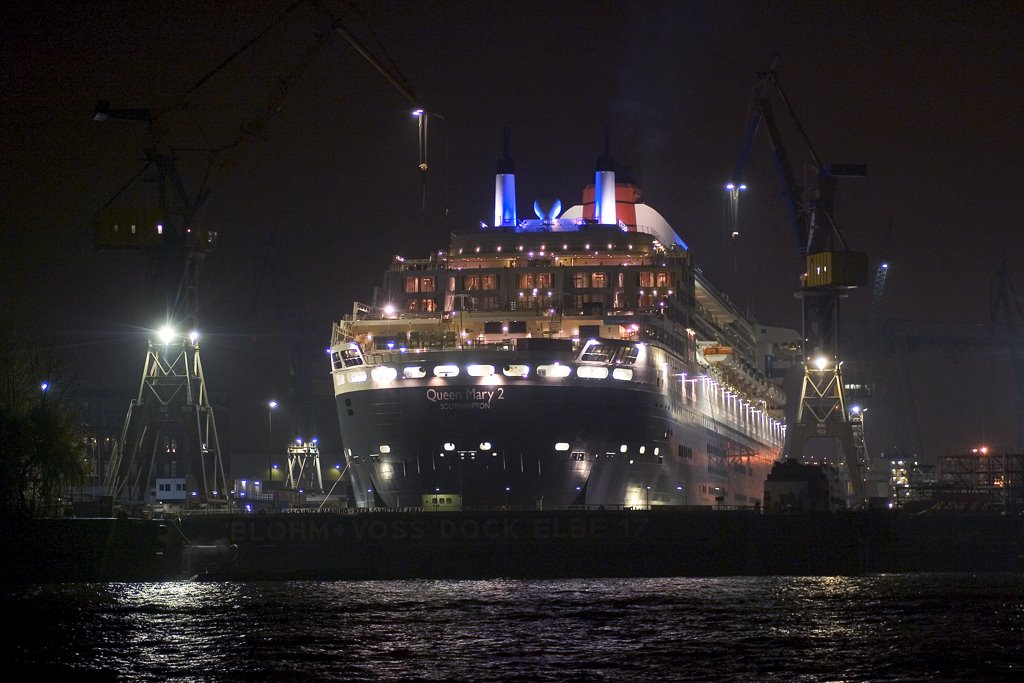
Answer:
(830, 270)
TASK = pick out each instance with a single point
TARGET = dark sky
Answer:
(929, 95)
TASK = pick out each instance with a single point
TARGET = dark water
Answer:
(918, 627)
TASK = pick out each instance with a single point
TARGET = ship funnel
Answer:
(604, 187)
(505, 190)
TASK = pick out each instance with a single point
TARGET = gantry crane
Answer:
(170, 429)
(830, 270)
(171, 414)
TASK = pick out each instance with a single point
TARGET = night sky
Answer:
(927, 94)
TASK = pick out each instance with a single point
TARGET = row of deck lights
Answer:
(556, 370)
(730, 393)
(544, 249)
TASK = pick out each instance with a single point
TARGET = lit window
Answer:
(414, 372)
(561, 446)
(516, 370)
(383, 374)
(592, 371)
(358, 376)
(446, 371)
(480, 370)
(556, 371)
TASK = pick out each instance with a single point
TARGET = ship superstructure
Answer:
(572, 359)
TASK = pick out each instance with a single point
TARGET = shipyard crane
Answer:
(1007, 313)
(881, 274)
(830, 270)
(170, 429)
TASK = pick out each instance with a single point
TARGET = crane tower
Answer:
(830, 270)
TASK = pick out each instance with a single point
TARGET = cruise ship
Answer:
(577, 358)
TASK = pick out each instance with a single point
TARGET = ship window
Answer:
(685, 452)
(624, 374)
(592, 371)
(383, 374)
(598, 280)
(628, 355)
(580, 280)
(414, 372)
(561, 446)
(553, 370)
(470, 282)
(516, 370)
(446, 371)
(489, 281)
(646, 278)
(351, 358)
(358, 376)
(647, 300)
(579, 456)
(480, 370)
(543, 280)
(598, 353)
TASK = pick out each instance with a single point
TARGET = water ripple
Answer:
(919, 627)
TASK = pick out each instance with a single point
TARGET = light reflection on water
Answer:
(878, 628)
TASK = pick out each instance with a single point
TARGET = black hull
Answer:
(543, 445)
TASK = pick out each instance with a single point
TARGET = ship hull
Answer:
(543, 442)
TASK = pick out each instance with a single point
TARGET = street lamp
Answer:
(270, 438)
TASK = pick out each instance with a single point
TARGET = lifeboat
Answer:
(717, 354)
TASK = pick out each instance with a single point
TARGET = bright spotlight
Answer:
(193, 336)
(821, 362)
(166, 334)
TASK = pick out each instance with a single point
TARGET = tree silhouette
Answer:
(42, 446)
